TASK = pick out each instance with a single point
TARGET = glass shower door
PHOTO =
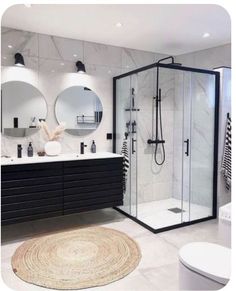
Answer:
(199, 144)
(160, 173)
(202, 124)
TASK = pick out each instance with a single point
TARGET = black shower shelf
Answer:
(133, 109)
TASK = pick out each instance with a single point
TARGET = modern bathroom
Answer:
(116, 147)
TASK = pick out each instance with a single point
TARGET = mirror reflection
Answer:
(81, 110)
(23, 106)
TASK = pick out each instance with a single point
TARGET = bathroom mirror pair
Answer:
(24, 106)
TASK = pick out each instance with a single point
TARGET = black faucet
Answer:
(19, 151)
(82, 146)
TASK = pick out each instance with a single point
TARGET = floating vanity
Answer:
(40, 187)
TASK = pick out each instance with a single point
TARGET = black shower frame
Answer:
(216, 135)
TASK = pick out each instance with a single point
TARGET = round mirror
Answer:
(80, 109)
(23, 106)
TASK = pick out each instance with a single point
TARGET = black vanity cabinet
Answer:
(31, 191)
(41, 190)
(92, 184)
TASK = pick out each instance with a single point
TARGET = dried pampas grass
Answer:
(56, 133)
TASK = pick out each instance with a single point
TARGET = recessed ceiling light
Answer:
(27, 5)
(10, 46)
(206, 34)
(75, 55)
(62, 64)
(118, 24)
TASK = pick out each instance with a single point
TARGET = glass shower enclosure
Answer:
(166, 116)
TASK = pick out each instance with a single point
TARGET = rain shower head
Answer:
(172, 61)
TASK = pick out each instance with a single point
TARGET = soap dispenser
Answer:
(93, 147)
(30, 150)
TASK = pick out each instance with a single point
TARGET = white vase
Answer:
(52, 148)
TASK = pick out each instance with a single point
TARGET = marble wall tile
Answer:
(207, 59)
(21, 41)
(132, 59)
(48, 48)
(69, 49)
(30, 62)
(100, 54)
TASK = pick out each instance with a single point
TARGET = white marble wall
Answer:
(207, 59)
(50, 67)
(210, 59)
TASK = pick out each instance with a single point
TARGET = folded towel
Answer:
(226, 162)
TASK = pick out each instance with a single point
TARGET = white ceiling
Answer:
(169, 29)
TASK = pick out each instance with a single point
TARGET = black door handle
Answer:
(133, 141)
(187, 149)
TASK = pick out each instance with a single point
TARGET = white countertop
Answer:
(59, 158)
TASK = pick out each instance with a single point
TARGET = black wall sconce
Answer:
(19, 60)
(80, 67)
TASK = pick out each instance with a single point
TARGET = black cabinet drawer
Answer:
(31, 167)
(98, 182)
(31, 211)
(31, 217)
(92, 168)
(31, 189)
(31, 182)
(31, 204)
(93, 207)
(92, 175)
(93, 163)
(91, 201)
(31, 174)
(92, 188)
(31, 196)
(79, 196)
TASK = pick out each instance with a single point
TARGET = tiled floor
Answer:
(156, 213)
(158, 269)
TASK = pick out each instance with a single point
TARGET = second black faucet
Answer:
(82, 146)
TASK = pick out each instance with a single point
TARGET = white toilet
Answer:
(206, 266)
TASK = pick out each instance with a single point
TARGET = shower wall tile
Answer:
(132, 59)
(207, 59)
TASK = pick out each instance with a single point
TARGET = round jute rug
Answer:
(82, 258)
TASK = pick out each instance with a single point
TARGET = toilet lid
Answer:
(208, 259)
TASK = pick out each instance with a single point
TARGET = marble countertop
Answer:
(59, 158)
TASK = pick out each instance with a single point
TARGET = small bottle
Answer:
(19, 151)
(30, 150)
(93, 147)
